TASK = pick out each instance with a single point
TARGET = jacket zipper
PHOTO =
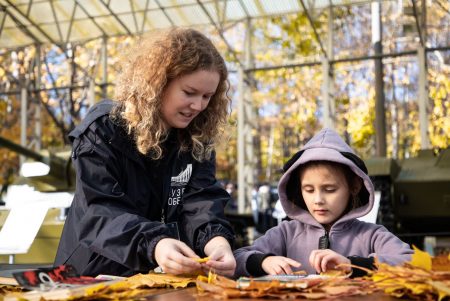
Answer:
(324, 241)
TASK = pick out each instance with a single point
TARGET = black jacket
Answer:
(125, 203)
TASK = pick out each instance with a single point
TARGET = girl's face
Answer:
(325, 191)
(186, 96)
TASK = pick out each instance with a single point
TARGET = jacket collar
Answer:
(122, 142)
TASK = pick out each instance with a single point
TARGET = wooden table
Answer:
(190, 294)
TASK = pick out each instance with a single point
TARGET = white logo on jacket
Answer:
(183, 178)
(177, 184)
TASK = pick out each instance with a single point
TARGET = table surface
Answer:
(190, 294)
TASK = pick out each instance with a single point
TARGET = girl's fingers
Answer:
(324, 263)
(293, 263)
(316, 258)
(287, 269)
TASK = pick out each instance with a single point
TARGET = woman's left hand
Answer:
(325, 259)
(221, 258)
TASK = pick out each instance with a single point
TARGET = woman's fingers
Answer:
(175, 257)
(185, 250)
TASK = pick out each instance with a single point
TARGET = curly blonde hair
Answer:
(148, 68)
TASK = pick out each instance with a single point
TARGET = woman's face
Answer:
(325, 191)
(186, 96)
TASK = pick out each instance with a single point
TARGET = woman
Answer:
(146, 192)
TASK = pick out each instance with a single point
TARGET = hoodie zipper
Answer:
(324, 241)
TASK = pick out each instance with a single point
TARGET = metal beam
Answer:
(29, 7)
(316, 34)
(104, 67)
(380, 111)
(45, 34)
(116, 17)
(144, 17)
(38, 115)
(89, 16)
(56, 20)
(38, 28)
(68, 35)
(423, 98)
(246, 154)
(423, 80)
(221, 12)
(220, 32)
(327, 74)
(419, 28)
(23, 116)
(133, 13)
(348, 60)
(72, 16)
(21, 26)
(2, 22)
(164, 12)
(244, 8)
(54, 88)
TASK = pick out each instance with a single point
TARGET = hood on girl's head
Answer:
(326, 145)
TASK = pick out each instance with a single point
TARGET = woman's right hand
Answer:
(175, 257)
(279, 265)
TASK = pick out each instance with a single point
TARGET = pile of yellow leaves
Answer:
(424, 277)
(128, 289)
(135, 286)
(5, 289)
(310, 288)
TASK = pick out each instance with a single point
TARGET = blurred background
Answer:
(376, 71)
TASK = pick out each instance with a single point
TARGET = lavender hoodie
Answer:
(348, 236)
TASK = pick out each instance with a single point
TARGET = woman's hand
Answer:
(279, 265)
(326, 259)
(221, 258)
(175, 257)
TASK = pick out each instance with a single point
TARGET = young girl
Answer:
(146, 193)
(324, 190)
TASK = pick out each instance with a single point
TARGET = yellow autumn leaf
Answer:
(159, 280)
(442, 288)
(201, 260)
(202, 278)
(421, 259)
(119, 286)
(95, 289)
(212, 277)
(418, 288)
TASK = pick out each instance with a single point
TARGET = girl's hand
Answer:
(326, 259)
(221, 258)
(279, 265)
(175, 257)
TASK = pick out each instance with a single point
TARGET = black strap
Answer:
(355, 159)
(102, 108)
(292, 160)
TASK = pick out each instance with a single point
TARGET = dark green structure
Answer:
(61, 176)
(415, 193)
